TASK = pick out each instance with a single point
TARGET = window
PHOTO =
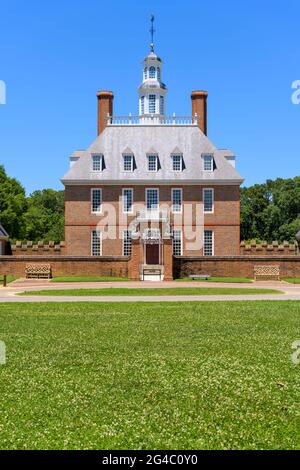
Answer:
(127, 243)
(177, 243)
(161, 105)
(152, 162)
(145, 73)
(128, 162)
(152, 72)
(127, 200)
(97, 162)
(158, 73)
(96, 243)
(152, 107)
(176, 200)
(142, 105)
(177, 162)
(96, 201)
(208, 249)
(208, 200)
(208, 162)
(152, 199)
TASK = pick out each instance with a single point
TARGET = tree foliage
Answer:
(37, 217)
(271, 211)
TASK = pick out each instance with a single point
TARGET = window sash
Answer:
(128, 163)
(208, 200)
(96, 202)
(177, 242)
(127, 243)
(152, 104)
(152, 72)
(207, 162)
(96, 243)
(208, 245)
(97, 162)
(161, 105)
(177, 162)
(142, 105)
(176, 200)
(127, 200)
(152, 163)
(152, 199)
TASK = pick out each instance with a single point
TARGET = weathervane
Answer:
(152, 31)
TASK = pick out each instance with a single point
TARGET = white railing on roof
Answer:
(152, 119)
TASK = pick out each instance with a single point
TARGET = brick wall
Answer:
(272, 249)
(234, 266)
(79, 221)
(68, 266)
(39, 249)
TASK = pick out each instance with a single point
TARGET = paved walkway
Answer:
(8, 294)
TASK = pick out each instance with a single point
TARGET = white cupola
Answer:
(152, 91)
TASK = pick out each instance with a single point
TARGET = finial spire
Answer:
(152, 31)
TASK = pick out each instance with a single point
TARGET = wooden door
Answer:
(152, 253)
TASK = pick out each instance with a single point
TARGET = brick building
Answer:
(152, 186)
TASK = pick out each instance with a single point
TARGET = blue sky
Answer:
(56, 54)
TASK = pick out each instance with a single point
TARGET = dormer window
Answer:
(208, 162)
(177, 162)
(128, 163)
(152, 163)
(152, 72)
(97, 162)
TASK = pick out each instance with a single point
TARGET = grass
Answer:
(151, 291)
(88, 279)
(242, 280)
(9, 279)
(292, 280)
(127, 376)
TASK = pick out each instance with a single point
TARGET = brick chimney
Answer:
(199, 107)
(105, 107)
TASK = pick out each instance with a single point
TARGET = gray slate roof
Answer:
(164, 140)
(3, 233)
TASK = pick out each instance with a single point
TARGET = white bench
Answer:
(199, 276)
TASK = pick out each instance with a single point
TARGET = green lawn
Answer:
(292, 280)
(126, 376)
(152, 291)
(242, 280)
(8, 279)
(88, 279)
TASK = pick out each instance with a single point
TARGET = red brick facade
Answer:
(224, 221)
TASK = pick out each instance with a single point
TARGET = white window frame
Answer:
(92, 242)
(131, 162)
(181, 162)
(161, 105)
(213, 242)
(146, 199)
(125, 245)
(92, 201)
(101, 162)
(204, 156)
(143, 105)
(174, 240)
(152, 72)
(156, 162)
(123, 201)
(172, 196)
(150, 103)
(213, 200)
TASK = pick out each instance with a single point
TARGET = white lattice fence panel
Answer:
(267, 271)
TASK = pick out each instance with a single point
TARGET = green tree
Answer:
(13, 204)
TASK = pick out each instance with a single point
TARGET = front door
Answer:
(152, 253)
